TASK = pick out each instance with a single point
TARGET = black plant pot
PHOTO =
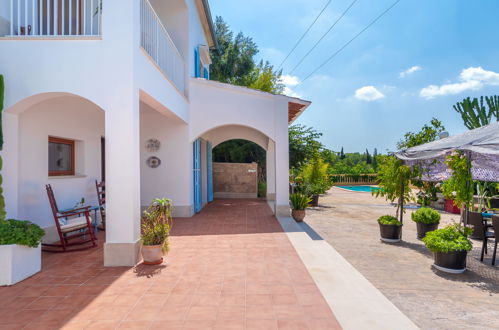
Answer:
(450, 262)
(390, 233)
(314, 201)
(423, 228)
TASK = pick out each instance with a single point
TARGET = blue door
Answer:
(209, 162)
(197, 175)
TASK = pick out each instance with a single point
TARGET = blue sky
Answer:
(360, 99)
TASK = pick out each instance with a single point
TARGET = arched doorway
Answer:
(249, 140)
(239, 169)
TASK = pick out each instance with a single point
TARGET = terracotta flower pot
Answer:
(152, 254)
(298, 215)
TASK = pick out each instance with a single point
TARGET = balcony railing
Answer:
(157, 43)
(53, 18)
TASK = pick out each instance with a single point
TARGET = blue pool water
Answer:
(359, 188)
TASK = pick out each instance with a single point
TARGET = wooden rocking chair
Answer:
(79, 228)
(101, 198)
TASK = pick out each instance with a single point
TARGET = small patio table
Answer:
(91, 208)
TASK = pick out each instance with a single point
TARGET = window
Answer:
(61, 156)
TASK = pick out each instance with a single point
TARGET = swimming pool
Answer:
(359, 188)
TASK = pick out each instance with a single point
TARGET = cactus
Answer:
(3, 214)
(475, 114)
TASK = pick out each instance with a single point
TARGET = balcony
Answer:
(159, 46)
(50, 18)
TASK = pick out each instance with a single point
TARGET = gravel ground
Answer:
(403, 272)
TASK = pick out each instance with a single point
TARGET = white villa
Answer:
(104, 81)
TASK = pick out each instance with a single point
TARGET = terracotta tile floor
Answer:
(230, 267)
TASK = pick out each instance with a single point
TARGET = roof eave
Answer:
(209, 19)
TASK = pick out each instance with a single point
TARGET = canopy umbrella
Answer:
(481, 145)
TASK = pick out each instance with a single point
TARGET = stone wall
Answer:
(235, 180)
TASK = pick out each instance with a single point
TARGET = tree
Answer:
(342, 154)
(394, 178)
(427, 134)
(265, 79)
(375, 161)
(368, 157)
(474, 113)
(233, 62)
(304, 145)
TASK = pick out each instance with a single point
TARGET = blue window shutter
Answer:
(209, 150)
(197, 175)
(196, 63)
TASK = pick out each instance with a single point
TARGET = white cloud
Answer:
(409, 71)
(290, 81)
(368, 93)
(472, 78)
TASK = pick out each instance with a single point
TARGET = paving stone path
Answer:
(403, 272)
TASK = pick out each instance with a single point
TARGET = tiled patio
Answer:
(230, 267)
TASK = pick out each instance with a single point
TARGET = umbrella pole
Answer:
(468, 186)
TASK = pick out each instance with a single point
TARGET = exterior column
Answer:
(282, 158)
(270, 157)
(123, 181)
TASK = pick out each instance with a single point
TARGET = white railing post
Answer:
(91, 17)
(33, 17)
(26, 17)
(19, 17)
(11, 17)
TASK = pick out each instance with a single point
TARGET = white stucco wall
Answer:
(172, 178)
(66, 117)
(214, 104)
(229, 132)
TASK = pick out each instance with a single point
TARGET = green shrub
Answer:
(426, 215)
(389, 220)
(299, 201)
(156, 223)
(262, 189)
(20, 232)
(450, 238)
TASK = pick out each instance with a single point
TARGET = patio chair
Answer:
(475, 219)
(495, 225)
(100, 187)
(71, 224)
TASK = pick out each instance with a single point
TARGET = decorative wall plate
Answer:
(153, 162)
(152, 145)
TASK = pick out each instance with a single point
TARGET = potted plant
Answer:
(315, 179)
(20, 251)
(390, 229)
(426, 220)
(450, 246)
(156, 225)
(299, 202)
(394, 178)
